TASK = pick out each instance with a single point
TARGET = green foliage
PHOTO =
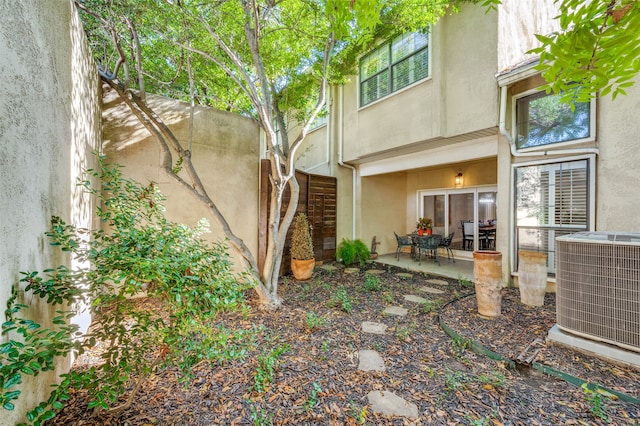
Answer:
(372, 283)
(466, 283)
(301, 243)
(429, 305)
(312, 399)
(596, 50)
(351, 251)
(597, 402)
(188, 283)
(342, 300)
(314, 321)
(37, 348)
(267, 365)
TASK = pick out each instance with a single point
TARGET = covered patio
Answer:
(461, 269)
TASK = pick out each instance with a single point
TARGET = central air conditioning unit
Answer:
(598, 287)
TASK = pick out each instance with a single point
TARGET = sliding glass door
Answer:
(450, 209)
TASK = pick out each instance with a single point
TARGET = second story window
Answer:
(543, 119)
(393, 66)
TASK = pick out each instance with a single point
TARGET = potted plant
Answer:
(302, 256)
(424, 224)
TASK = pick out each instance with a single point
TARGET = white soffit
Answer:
(455, 153)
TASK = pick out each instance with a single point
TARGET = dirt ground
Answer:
(317, 382)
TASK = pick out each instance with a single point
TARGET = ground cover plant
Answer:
(306, 363)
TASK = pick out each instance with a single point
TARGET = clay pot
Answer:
(487, 272)
(302, 269)
(532, 277)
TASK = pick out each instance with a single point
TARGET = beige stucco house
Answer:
(464, 101)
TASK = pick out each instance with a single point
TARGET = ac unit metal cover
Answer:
(598, 286)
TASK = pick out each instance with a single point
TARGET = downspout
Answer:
(341, 163)
(512, 144)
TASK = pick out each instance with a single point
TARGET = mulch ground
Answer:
(317, 382)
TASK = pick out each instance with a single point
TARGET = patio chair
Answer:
(467, 234)
(428, 245)
(446, 244)
(403, 241)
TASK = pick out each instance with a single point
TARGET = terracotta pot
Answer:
(429, 231)
(532, 277)
(421, 232)
(302, 269)
(487, 273)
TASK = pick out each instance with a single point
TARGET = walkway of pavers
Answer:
(386, 402)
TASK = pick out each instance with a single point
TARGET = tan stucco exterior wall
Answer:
(617, 177)
(49, 125)
(383, 204)
(460, 96)
(226, 151)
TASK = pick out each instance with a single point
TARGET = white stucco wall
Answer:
(226, 151)
(49, 123)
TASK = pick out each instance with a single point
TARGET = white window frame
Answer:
(591, 208)
(388, 44)
(556, 145)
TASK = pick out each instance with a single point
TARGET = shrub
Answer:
(372, 283)
(301, 243)
(188, 283)
(350, 251)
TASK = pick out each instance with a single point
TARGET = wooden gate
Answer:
(318, 196)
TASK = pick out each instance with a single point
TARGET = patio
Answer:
(447, 268)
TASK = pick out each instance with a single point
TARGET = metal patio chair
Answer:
(428, 245)
(403, 241)
(446, 244)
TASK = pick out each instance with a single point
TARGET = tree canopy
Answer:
(597, 49)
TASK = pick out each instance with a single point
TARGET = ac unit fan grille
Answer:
(598, 290)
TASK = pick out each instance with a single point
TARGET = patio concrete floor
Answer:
(460, 269)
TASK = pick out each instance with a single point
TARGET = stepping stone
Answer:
(351, 270)
(373, 327)
(370, 361)
(395, 310)
(390, 404)
(413, 298)
(329, 268)
(404, 275)
(437, 281)
(431, 290)
(374, 271)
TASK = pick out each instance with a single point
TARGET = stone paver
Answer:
(375, 271)
(370, 361)
(395, 310)
(437, 281)
(390, 404)
(404, 275)
(351, 270)
(414, 298)
(329, 268)
(374, 327)
(431, 290)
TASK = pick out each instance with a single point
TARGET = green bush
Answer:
(351, 251)
(188, 282)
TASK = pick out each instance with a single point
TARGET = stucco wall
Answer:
(519, 21)
(226, 150)
(617, 177)
(460, 96)
(382, 210)
(49, 122)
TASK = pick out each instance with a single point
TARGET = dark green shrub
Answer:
(187, 281)
(351, 251)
